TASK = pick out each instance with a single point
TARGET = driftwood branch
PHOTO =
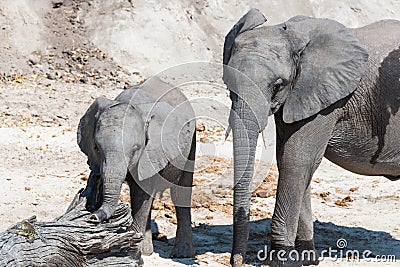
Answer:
(72, 240)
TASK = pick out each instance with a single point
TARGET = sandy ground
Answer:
(42, 169)
(57, 59)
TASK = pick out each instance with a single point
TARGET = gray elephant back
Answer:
(382, 41)
(380, 33)
(156, 90)
(135, 96)
(379, 38)
(163, 91)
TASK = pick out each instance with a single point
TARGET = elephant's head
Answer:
(302, 66)
(299, 68)
(121, 137)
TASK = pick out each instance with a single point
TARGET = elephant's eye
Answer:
(233, 96)
(278, 84)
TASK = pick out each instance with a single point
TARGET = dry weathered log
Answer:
(72, 240)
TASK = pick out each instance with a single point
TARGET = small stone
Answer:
(160, 237)
(50, 76)
(200, 128)
(83, 80)
(57, 3)
(264, 193)
(355, 9)
(205, 140)
(344, 202)
(32, 61)
(47, 119)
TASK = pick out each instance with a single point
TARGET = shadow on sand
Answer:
(217, 239)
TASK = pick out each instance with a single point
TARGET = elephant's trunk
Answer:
(245, 133)
(113, 173)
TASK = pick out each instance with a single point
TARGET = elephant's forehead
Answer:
(122, 114)
(268, 37)
(275, 49)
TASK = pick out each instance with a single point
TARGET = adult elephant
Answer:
(334, 92)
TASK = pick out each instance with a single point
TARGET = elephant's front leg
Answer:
(300, 150)
(141, 202)
(305, 235)
(286, 218)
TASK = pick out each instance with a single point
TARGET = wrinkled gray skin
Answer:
(145, 136)
(334, 92)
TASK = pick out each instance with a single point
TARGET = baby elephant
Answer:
(145, 136)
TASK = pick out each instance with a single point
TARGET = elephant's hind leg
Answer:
(183, 246)
(147, 245)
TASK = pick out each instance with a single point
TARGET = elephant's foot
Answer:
(147, 248)
(307, 251)
(283, 256)
(237, 260)
(147, 243)
(182, 250)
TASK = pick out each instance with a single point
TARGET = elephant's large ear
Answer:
(331, 62)
(86, 127)
(169, 134)
(249, 21)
